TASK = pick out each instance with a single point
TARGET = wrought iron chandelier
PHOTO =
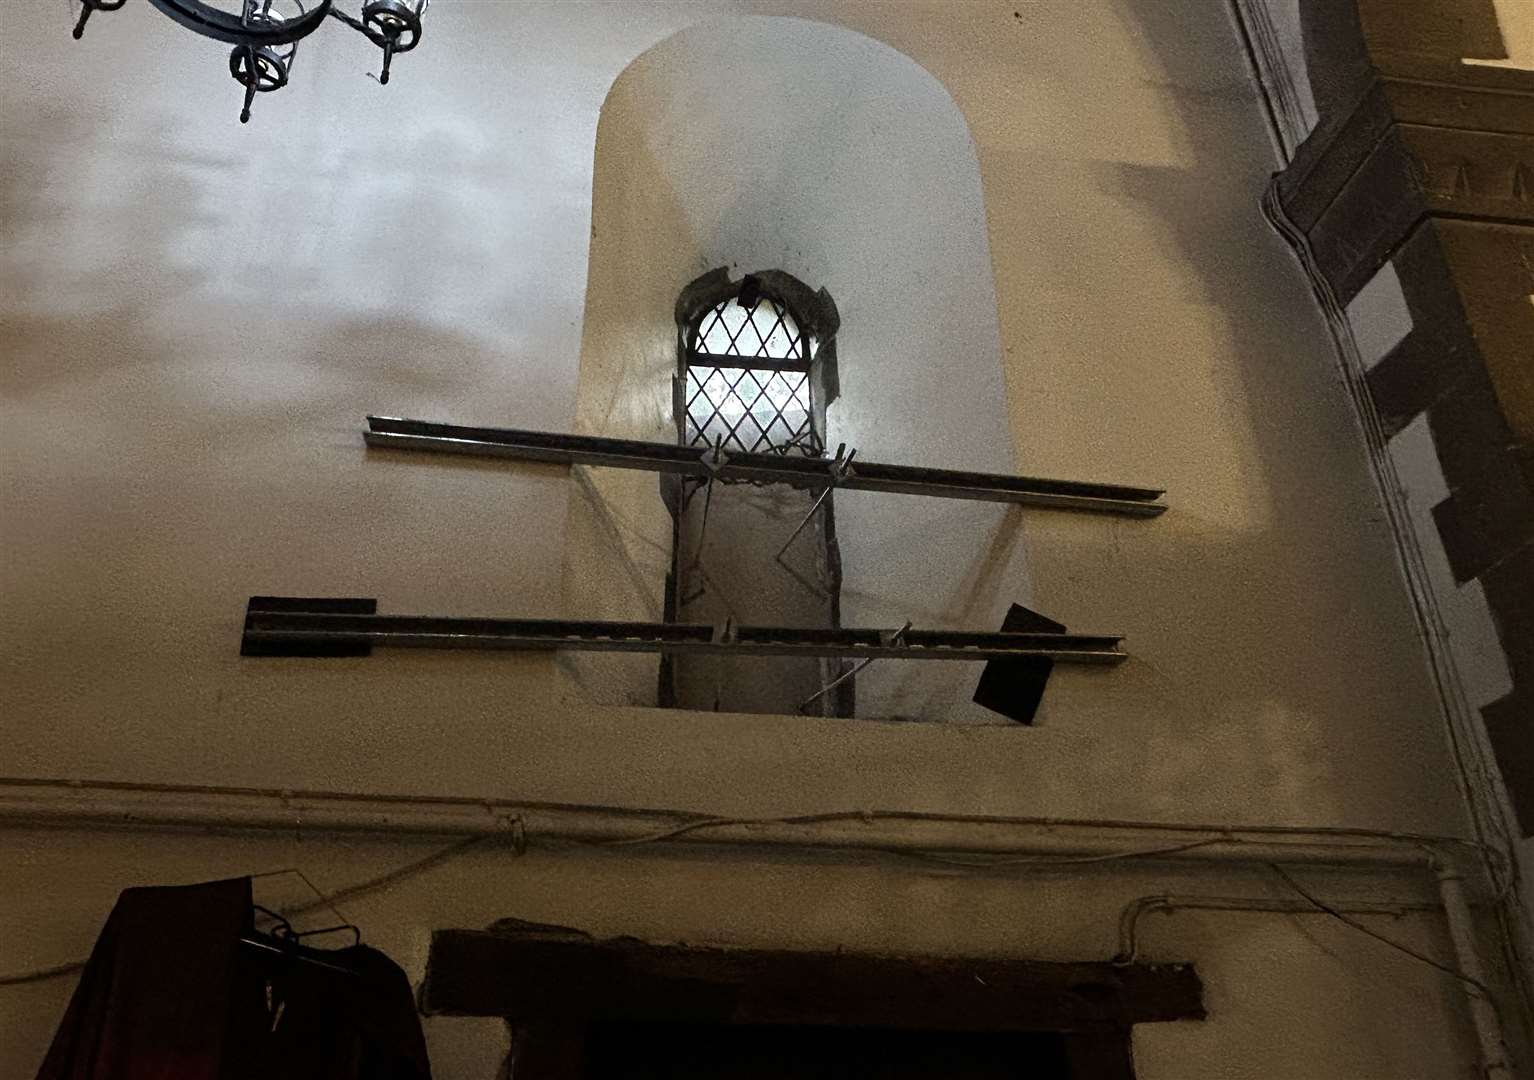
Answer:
(265, 33)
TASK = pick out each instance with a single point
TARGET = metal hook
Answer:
(284, 929)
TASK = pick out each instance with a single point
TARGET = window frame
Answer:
(808, 437)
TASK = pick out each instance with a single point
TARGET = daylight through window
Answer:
(748, 380)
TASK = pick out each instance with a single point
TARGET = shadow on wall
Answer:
(618, 534)
(1450, 30)
(850, 167)
(1270, 595)
(169, 451)
(147, 498)
(78, 241)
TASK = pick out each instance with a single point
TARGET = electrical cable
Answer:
(1066, 860)
(445, 854)
(683, 830)
(1362, 929)
(929, 856)
(1220, 831)
(690, 820)
(395, 876)
(451, 851)
(518, 835)
(1129, 918)
(315, 889)
(58, 971)
(1222, 836)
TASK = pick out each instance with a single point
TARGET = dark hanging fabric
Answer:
(170, 993)
(154, 997)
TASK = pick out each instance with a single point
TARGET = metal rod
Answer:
(839, 471)
(840, 466)
(795, 470)
(714, 460)
(850, 673)
(751, 363)
(425, 632)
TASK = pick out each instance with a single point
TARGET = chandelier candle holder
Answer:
(265, 33)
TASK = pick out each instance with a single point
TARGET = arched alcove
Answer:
(760, 142)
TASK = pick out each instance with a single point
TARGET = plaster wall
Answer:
(196, 315)
(1289, 997)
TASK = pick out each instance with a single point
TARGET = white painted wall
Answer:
(165, 453)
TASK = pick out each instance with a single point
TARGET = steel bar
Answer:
(425, 632)
(754, 363)
(807, 472)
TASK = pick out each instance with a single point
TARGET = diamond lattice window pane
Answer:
(766, 331)
(751, 408)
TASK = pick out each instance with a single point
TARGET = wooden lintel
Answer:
(535, 977)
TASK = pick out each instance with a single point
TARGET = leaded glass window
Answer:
(748, 380)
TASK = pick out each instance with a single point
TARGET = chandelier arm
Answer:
(357, 25)
(265, 41)
(224, 26)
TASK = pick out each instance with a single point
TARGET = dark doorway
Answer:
(581, 1007)
(718, 1052)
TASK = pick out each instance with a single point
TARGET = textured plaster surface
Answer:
(196, 316)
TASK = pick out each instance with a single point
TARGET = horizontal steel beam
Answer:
(796, 470)
(304, 630)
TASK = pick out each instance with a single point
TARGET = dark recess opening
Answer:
(585, 1007)
(719, 1052)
